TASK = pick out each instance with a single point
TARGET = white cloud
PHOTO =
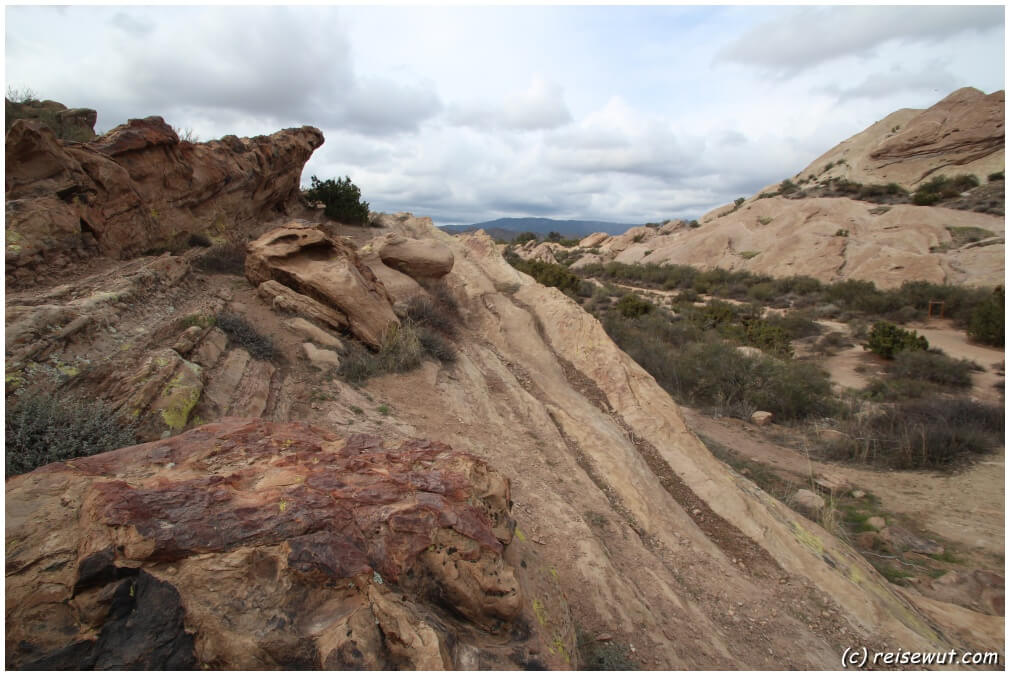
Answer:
(540, 106)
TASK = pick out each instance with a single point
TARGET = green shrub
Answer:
(887, 339)
(787, 187)
(932, 367)
(998, 176)
(940, 188)
(402, 349)
(243, 334)
(524, 237)
(632, 305)
(436, 313)
(43, 428)
(551, 274)
(341, 199)
(922, 434)
(988, 319)
(436, 346)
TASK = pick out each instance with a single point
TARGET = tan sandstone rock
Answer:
(414, 257)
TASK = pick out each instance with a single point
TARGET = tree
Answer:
(524, 237)
(341, 198)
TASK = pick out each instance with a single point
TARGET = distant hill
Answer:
(507, 228)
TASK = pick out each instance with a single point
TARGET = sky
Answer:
(466, 114)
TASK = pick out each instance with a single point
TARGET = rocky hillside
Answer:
(856, 211)
(371, 447)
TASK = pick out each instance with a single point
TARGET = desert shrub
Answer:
(832, 341)
(632, 305)
(997, 176)
(932, 367)
(988, 320)
(436, 312)
(941, 187)
(341, 200)
(795, 324)
(43, 428)
(524, 237)
(787, 187)
(767, 337)
(603, 655)
(922, 434)
(436, 346)
(227, 258)
(887, 339)
(243, 334)
(403, 348)
(199, 239)
(551, 274)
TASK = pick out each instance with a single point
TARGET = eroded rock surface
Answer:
(247, 544)
(139, 187)
(306, 260)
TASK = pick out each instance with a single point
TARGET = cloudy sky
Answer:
(465, 114)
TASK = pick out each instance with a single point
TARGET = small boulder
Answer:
(761, 418)
(808, 500)
(418, 258)
(314, 333)
(324, 360)
(877, 523)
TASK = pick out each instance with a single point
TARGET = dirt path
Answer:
(966, 508)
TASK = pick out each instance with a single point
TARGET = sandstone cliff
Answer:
(840, 237)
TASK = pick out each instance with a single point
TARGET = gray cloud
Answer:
(805, 37)
(931, 77)
(130, 24)
(541, 106)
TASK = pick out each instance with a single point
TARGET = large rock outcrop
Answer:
(72, 124)
(247, 544)
(139, 187)
(420, 259)
(303, 258)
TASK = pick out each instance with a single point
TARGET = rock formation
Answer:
(327, 270)
(250, 545)
(71, 124)
(836, 238)
(139, 188)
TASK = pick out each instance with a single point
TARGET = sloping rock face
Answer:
(837, 238)
(73, 124)
(303, 258)
(248, 545)
(139, 187)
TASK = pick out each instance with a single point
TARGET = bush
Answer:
(227, 258)
(887, 339)
(402, 349)
(988, 320)
(435, 312)
(631, 305)
(341, 199)
(524, 237)
(923, 434)
(551, 274)
(42, 428)
(932, 367)
(240, 331)
(436, 346)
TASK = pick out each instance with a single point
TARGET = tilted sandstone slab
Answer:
(328, 270)
(415, 257)
(247, 544)
(139, 187)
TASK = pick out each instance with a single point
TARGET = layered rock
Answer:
(419, 259)
(139, 187)
(249, 545)
(72, 124)
(326, 270)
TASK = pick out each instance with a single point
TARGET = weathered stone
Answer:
(314, 333)
(876, 523)
(283, 299)
(903, 540)
(323, 360)
(160, 394)
(308, 261)
(415, 257)
(761, 418)
(834, 484)
(808, 500)
(137, 187)
(228, 528)
(210, 348)
(188, 339)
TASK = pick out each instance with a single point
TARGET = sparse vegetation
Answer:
(940, 188)
(552, 274)
(988, 320)
(243, 334)
(402, 349)
(43, 428)
(341, 200)
(603, 655)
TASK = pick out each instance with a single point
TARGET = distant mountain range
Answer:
(507, 228)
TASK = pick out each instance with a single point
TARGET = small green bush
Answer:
(632, 305)
(43, 428)
(932, 367)
(524, 237)
(341, 199)
(240, 331)
(402, 349)
(998, 176)
(988, 320)
(552, 274)
(887, 339)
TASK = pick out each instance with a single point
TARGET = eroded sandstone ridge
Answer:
(139, 187)
(248, 544)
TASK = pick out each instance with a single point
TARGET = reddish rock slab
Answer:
(253, 544)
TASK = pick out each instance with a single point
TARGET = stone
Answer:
(160, 394)
(283, 299)
(308, 261)
(210, 348)
(808, 500)
(188, 339)
(416, 258)
(750, 351)
(834, 484)
(138, 188)
(594, 240)
(903, 540)
(858, 494)
(877, 523)
(187, 551)
(317, 335)
(324, 360)
(761, 418)
(831, 436)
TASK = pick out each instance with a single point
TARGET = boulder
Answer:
(138, 187)
(160, 394)
(594, 240)
(247, 544)
(761, 418)
(314, 333)
(400, 286)
(808, 500)
(983, 591)
(417, 258)
(283, 299)
(877, 523)
(324, 360)
(308, 261)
